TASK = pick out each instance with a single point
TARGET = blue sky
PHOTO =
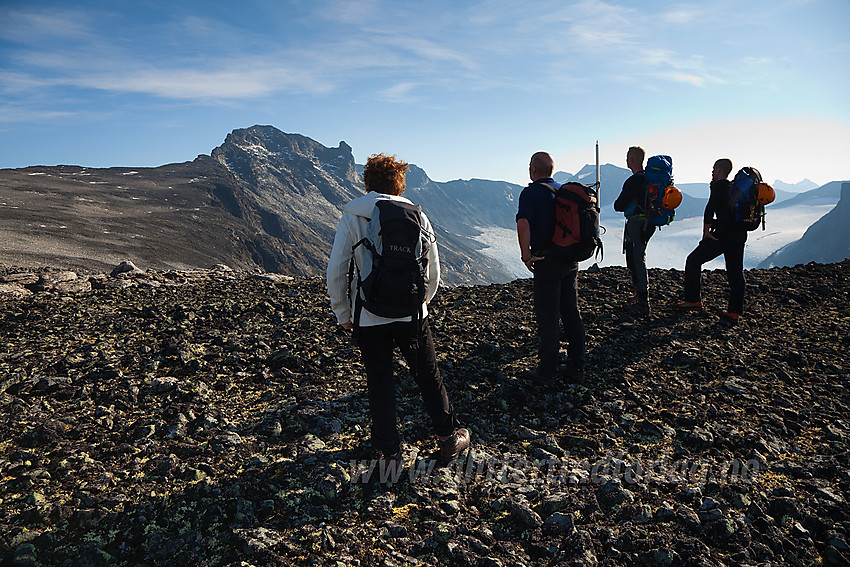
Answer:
(462, 89)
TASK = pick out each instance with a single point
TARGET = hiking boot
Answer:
(572, 375)
(539, 377)
(397, 456)
(390, 468)
(639, 307)
(730, 317)
(454, 445)
(689, 306)
(392, 456)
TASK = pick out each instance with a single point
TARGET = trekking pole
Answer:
(598, 182)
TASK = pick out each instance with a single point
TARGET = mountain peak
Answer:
(416, 177)
(799, 187)
(825, 241)
(254, 154)
(282, 143)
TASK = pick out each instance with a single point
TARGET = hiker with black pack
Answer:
(555, 278)
(724, 232)
(632, 202)
(383, 270)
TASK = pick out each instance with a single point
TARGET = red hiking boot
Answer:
(689, 306)
(639, 307)
(731, 317)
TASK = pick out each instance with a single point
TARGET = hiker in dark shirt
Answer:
(638, 230)
(720, 235)
(555, 280)
(384, 177)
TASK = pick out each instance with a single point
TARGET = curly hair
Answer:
(385, 174)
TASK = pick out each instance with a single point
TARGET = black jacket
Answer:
(718, 212)
(634, 191)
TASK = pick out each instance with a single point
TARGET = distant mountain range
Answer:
(827, 240)
(265, 200)
(826, 194)
(262, 200)
(800, 187)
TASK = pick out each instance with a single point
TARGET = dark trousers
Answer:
(556, 296)
(731, 245)
(638, 233)
(376, 348)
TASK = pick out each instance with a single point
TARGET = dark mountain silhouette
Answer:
(827, 240)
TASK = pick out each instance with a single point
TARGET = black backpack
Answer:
(576, 236)
(394, 284)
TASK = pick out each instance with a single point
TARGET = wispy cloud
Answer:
(234, 79)
(428, 50)
(17, 114)
(690, 79)
(233, 83)
(399, 93)
(14, 83)
(359, 13)
(598, 25)
(335, 44)
(181, 66)
(27, 26)
(683, 14)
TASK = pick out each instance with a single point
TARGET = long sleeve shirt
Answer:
(718, 213)
(353, 226)
(537, 206)
(633, 196)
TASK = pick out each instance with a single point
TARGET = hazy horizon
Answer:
(670, 246)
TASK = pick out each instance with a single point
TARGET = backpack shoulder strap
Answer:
(579, 192)
(549, 186)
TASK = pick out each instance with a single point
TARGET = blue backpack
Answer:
(659, 178)
(747, 198)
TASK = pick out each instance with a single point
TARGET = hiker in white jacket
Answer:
(377, 336)
(351, 230)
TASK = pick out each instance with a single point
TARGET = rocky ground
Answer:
(220, 418)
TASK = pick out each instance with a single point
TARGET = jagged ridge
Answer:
(263, 199)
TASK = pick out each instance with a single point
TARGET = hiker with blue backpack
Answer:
(555, 274)
(733, 209)
(639, 229)
(383, 270)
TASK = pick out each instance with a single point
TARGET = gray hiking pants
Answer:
(637, 235)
